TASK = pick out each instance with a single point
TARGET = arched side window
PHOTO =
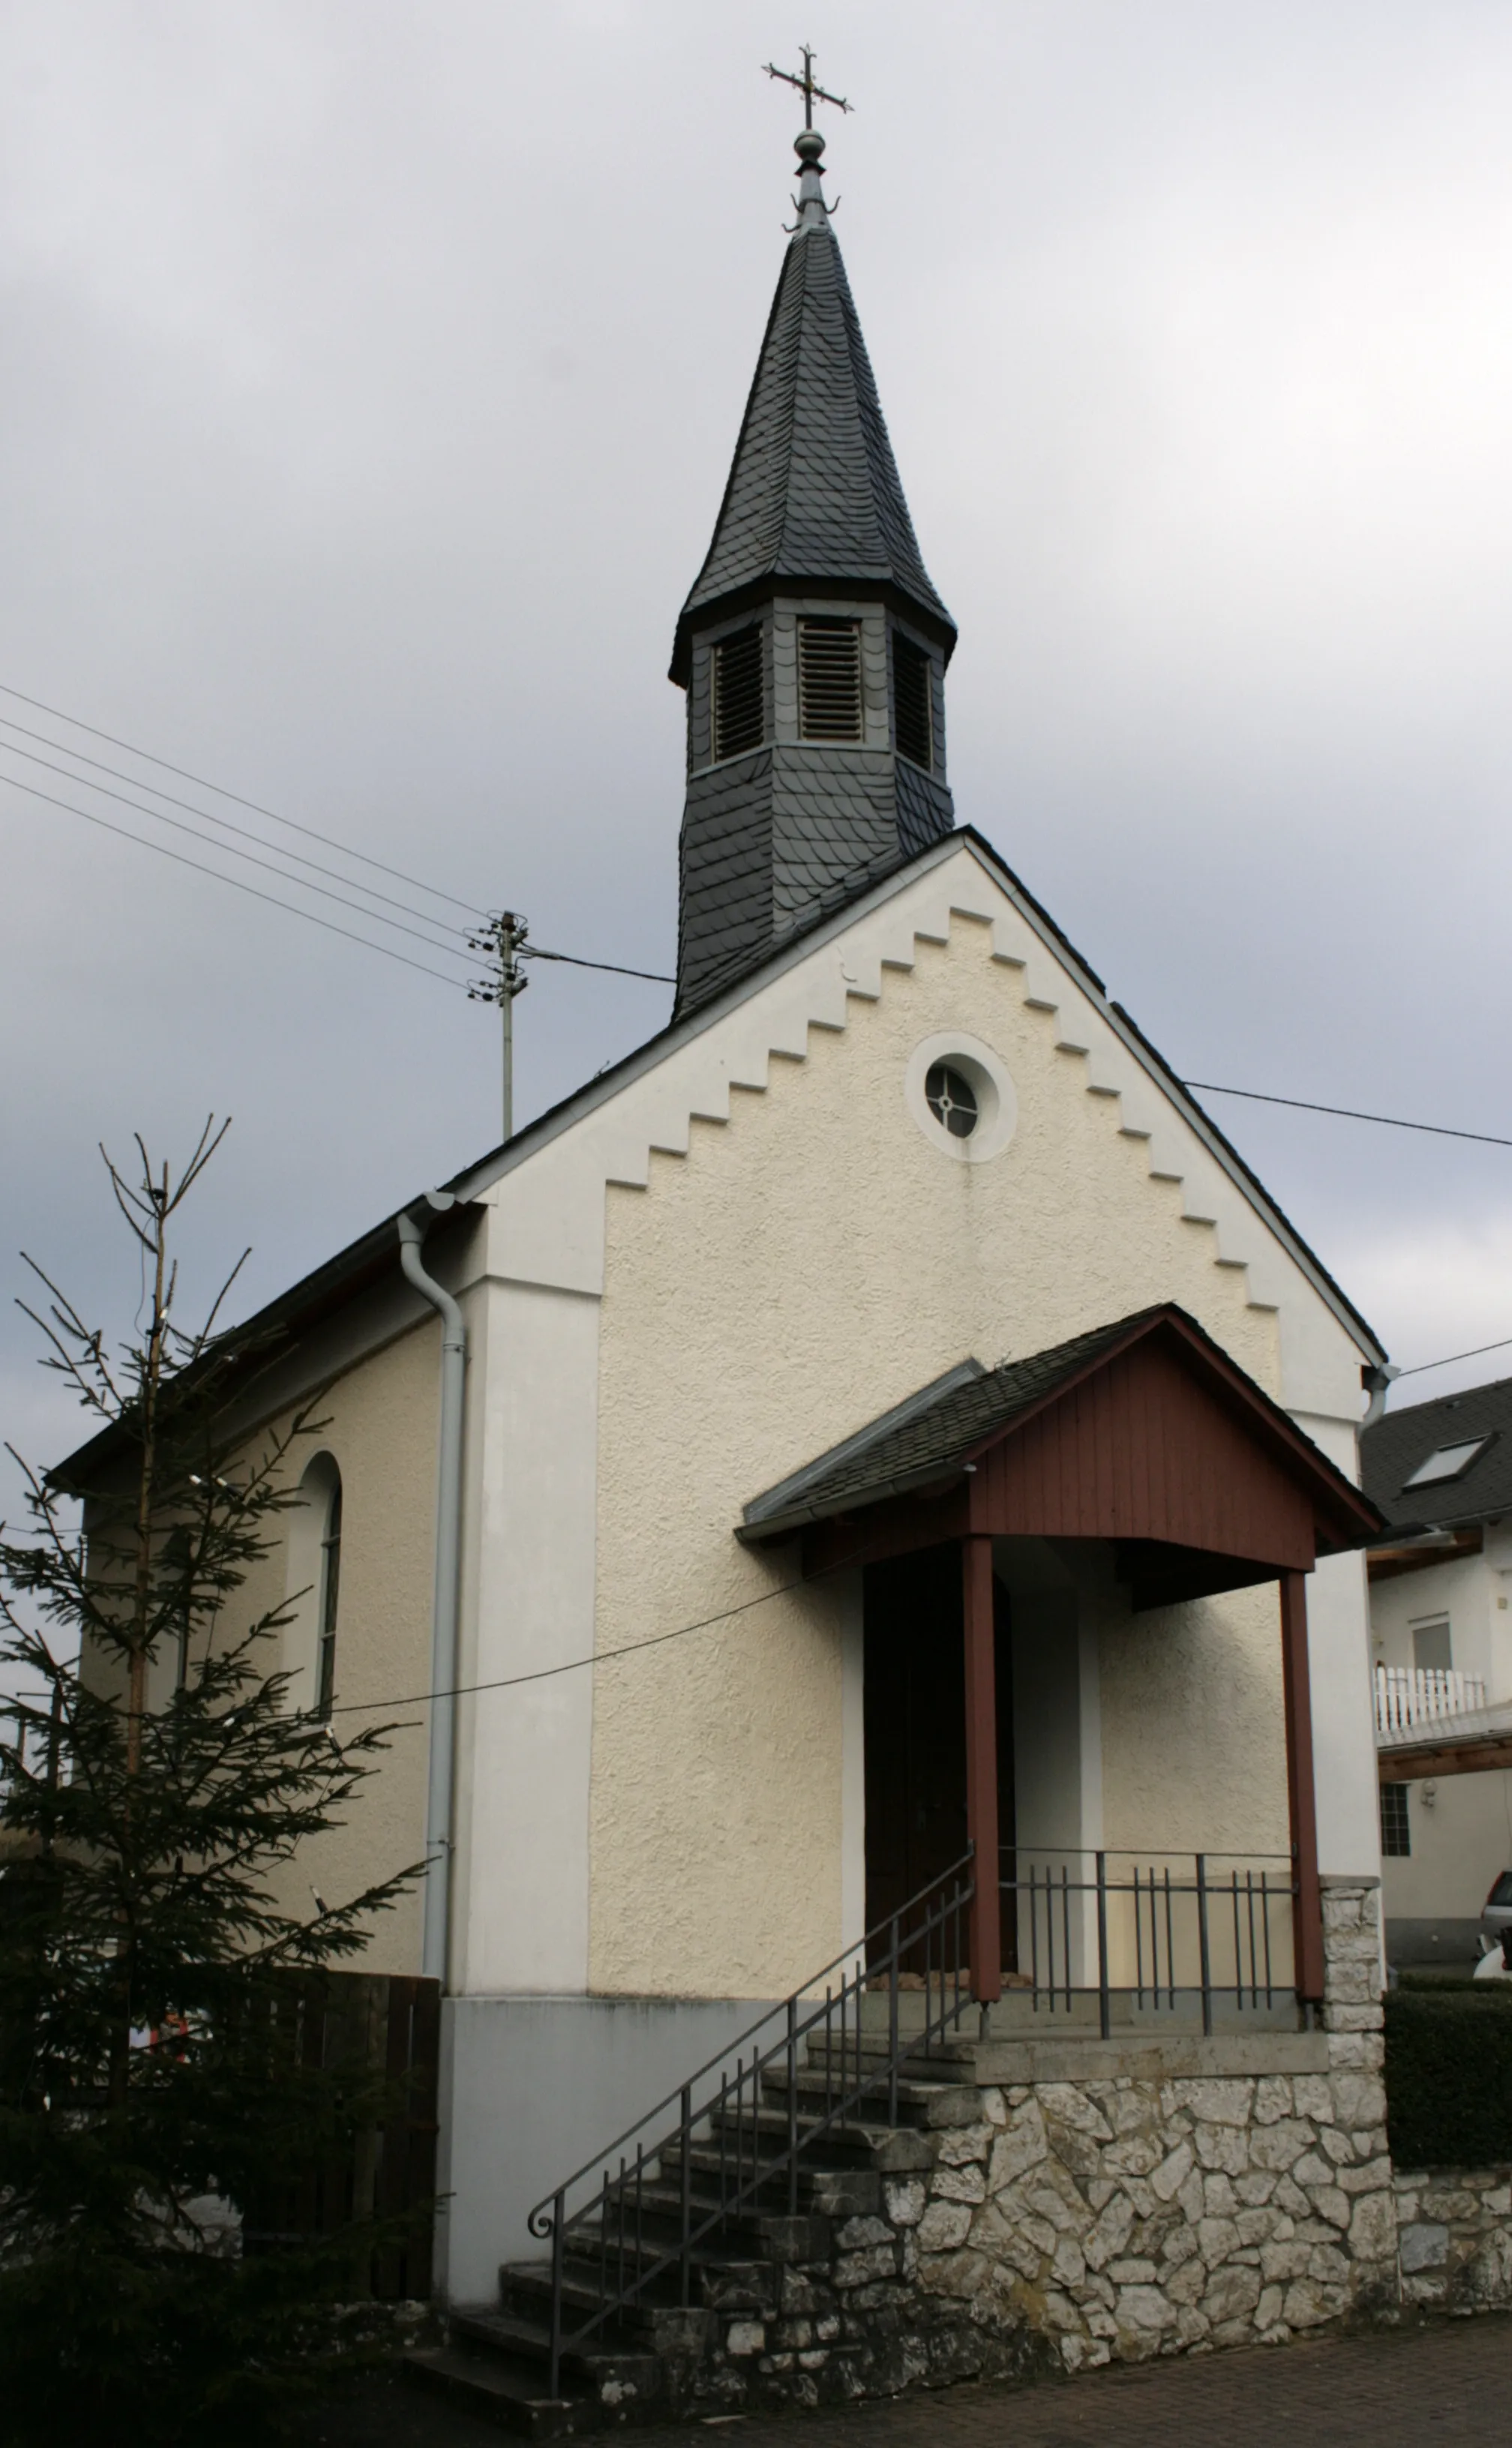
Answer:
(330, 1589)
(314, 1587)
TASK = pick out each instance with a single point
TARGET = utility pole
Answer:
(503, 941)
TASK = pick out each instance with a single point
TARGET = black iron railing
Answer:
(635, 2214)
(1171, 1933)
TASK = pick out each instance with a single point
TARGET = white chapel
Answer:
(872, 1482)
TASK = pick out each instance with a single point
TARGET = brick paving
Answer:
(1441, 2382)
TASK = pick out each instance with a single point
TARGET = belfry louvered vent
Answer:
(829, 679)
(739, 715)
(913, 732)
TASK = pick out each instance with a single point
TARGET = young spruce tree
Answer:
(153, 1964)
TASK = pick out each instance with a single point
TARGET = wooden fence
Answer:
(383, 2025)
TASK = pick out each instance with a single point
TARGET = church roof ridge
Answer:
(814, 493)
(467, 1183)
(374, 1253)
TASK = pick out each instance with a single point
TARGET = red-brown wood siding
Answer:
(899, 1525)
(1143, 1450)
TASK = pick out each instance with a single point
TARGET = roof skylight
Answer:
(1447, 1461)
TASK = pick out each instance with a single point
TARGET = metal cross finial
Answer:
(810, 92)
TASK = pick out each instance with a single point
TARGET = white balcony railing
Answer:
(1423, 1695)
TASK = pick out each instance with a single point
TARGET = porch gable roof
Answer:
(1184, 1410)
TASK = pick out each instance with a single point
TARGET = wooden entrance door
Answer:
(916, 1727)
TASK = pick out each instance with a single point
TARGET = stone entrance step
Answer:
(648, 2362)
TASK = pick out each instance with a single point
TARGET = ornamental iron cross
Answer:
(810, 92)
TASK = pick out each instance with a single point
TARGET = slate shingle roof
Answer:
(933, 1432)
(772, 842)
(813, 491)
(1392, 1449)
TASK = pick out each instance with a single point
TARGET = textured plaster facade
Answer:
(378, 1417)
(780, 1277)
(1196, 1689)
(703, 1271)
(1461, 1827)
(729, 1256)
(381, 1422)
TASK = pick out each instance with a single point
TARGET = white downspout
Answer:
(445, 1608)
(1377, 1384)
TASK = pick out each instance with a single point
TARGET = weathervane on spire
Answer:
(810, 92)
(811, 209)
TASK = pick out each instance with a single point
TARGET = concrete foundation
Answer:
(531, 2087)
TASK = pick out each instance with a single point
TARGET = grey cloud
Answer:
(371, 375)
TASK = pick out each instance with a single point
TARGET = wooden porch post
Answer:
(1300, 1789)
(982, 1767)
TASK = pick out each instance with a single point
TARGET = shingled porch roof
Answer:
(1143, 1431)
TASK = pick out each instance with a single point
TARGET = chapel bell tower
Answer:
(812, 646)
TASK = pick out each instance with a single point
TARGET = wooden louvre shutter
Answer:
(739, 714)
(829, 679)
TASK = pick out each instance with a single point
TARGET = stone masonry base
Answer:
(1137, 2201)
(1454, 2236)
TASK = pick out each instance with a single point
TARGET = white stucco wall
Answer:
(800, 1267)
(1475, 1592)
(368, 1390)
(726, 1259)
(520, 1911)
(1461, 1827)
(1194, 1731)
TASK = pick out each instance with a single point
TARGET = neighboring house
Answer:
(1442, 1650)
(896, 1420)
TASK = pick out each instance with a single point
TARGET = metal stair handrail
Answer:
(928, 1928)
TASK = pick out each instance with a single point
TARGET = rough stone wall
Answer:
(1131, 2217)
(1107, 2218)
(1455, 2233)
(1082, 2222)
(1116, 2215)
(1128, 2218)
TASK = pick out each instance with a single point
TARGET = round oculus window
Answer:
(961, 1096)
(951, 1100)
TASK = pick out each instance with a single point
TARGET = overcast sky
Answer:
(371, 376)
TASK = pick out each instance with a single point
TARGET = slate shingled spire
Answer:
(812, 646)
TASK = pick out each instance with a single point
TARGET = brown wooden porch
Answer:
(1143, 1436)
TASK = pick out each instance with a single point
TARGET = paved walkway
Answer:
(1441, 2385)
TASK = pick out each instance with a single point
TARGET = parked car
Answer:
(1496, 1913)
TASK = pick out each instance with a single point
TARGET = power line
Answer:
(206, 814)
(535, 951)
(1347, 1112)
(237, 800)
(615, 969)
(1423, 1366)
(703, 1623)
(234, 881)
(572, 960)
(230, 851)
(124, 832)
(599, 1657)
